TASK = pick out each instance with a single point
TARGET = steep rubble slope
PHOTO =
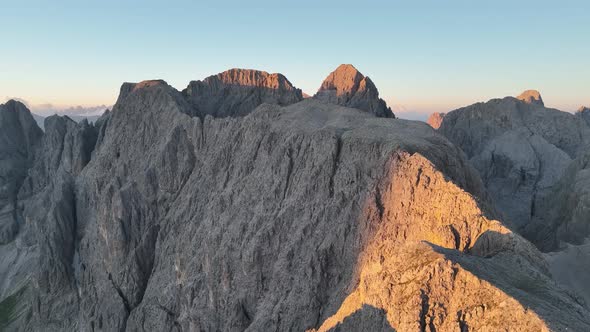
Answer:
(520, 149)
(237, 92)
(346, 86)
(295, 218)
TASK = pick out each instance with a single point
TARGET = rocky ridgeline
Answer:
(311, 216)
(237, 92)
(19, 136)
(584, 113)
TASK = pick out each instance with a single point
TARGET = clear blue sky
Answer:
(422, 55)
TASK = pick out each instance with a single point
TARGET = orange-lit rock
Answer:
(346, 86)
(531, 97)
(237, 92)
(435, 119)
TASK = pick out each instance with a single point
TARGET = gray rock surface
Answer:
(569, 267)
(37, 266)
(312, 216)
(66, 147)
(564, 214)
(237, 92)
(19, 139)
(346, 86)
(535, 162)
(521, 150)
(19, 136)
(584, 113)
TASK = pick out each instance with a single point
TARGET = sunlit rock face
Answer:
(346, 86)
(237, 92)
(521, 151)
(531, 97)
(310, 216)
(435, 120)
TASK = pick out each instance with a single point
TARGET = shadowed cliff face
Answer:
(19, 136)
(237, 92)
(584, 114)
(534, 162)
(309, 216)
(521, 150)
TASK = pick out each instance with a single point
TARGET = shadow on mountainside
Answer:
(367, 318)
(235, 100)
(525, 282)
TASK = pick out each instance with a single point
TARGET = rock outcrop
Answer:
(346, 86)
(584, 113)
(531, 97)
(66, 147)
(435, 119)
(237, 92)
(564, 214)
(19, 139)
(521, 150)
(42, 259)
(19, 136)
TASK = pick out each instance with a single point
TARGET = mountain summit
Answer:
(531, 97)
(237, 92)
(348, 87)
(435, 119)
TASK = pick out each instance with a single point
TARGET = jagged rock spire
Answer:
(348, 87)
(435, 119)
(531, 97)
